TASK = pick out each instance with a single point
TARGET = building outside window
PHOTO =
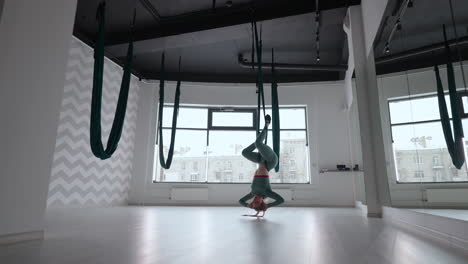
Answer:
(194, 177)
(436, 160)
(419, 174)
(292, 163)
(229, 165)
(418, 159)
(211, 139)
(418, 139)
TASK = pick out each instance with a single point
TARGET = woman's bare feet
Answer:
(268, 119)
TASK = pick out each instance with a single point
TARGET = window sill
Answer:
(447, 182)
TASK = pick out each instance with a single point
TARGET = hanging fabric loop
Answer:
(260, 95)
(275, 110)
(454, 145)
(253, 48)
(119, 117)
(166, 164)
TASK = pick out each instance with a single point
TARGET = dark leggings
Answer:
(264, 155)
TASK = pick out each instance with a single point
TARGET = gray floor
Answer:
(220, 235)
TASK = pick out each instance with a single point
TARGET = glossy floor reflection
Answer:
(460, 214)
(220, 235)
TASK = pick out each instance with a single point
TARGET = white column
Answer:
(35, 38)
(373, 154)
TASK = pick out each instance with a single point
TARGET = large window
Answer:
(210, 140)
(419, 147)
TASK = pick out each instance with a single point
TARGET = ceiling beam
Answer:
(293, 67)
(152, 10)
(399, 57)
(243, 78)
(227, 16)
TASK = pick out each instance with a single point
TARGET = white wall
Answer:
(78, 178)
(329, 141)
(35, 36)
(421, 82)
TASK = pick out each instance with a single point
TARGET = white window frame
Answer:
(210, 127)
(464, 115)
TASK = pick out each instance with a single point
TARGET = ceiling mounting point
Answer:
(228, 3)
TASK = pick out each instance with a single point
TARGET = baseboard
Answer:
(374, 215)
(363, 207)
(21, 237)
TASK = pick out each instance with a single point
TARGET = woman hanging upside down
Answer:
(261, 189)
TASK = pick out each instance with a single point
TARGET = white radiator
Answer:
(189, 194)
(447, 195)
(287, 194)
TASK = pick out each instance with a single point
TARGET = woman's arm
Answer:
(243, 200)
(278, 199)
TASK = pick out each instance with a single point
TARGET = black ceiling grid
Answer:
(419, 44)
(210, 36)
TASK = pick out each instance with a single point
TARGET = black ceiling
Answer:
(421, 28)
(211, 40)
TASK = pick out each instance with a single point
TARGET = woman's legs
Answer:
(265, 151)
(264, 154)
(250, 154)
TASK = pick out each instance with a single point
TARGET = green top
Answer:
(261, 186)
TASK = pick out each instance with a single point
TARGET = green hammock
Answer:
(95, 122)
(166, 164)
(455, 147)
(261, 96)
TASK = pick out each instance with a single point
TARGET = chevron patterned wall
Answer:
(78, 178)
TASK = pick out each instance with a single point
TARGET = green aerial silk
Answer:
(455, 147)
(260, 94)
(95, 122)
(166, 164)
(275, 110)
